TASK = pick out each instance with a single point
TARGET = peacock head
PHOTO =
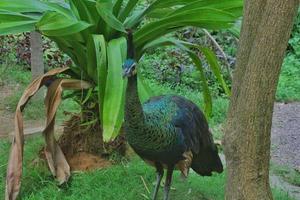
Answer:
(129, 68)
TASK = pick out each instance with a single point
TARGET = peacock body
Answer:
(168, 132)
(166, 128)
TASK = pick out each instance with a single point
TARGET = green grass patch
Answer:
(119, 182)
(13, 74)
(288, 174)
(289, 81)
(18, 79)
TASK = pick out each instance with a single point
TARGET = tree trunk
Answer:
(37, 64)
(265, 32)
(36, 59)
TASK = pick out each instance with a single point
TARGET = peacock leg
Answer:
(160, 174)
(168, 181)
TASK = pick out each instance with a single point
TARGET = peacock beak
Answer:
(129, 71)
(126, 72)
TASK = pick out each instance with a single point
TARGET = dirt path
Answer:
(286, 135)
(7, 116)
(292, 190)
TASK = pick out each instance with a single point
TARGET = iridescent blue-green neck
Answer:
(134, 115)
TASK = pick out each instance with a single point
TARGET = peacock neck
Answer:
(134, 115)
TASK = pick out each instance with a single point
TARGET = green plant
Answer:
(93, 34)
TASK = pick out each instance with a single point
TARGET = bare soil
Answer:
(286, 135)
(6, 117)
(85, 162)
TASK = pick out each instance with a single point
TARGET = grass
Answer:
(289, 81)
(19, 78)
(288, 174)
(120, 182)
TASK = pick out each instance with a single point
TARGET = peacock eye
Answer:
(133, 66)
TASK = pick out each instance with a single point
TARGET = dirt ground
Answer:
(6, 122)
(7, 117)
(286, 135)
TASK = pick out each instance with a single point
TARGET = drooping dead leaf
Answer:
(14, 169)
(56, 160)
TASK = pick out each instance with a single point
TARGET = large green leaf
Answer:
(127, 10)
(22, 6)
(215, 67)
(156, 6)
(166, 41)
(134, 20)
(82, 11)
(55, 24)
(12, 22)
(205, 89)
(114, 92)
(85, 10)
(105, 10)
(34, 6)
(61, 8)
(92, 59)
(117, 7)
(213, 64)
(196, 60)
(234, 7)
(101, 63)
(209, 56)
(170, 3)
(77, 51)
(201, 17)
(16, 27)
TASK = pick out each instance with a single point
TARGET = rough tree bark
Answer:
(266, 28)
(36, 59)
(37, 64)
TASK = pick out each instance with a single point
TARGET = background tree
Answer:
(36, 57)
(265, 32)
(37, 64)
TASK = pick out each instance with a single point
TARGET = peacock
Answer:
(168, 132)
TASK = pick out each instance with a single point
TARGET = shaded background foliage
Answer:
(16, 48)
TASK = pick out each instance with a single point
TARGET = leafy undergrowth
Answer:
(119, 182)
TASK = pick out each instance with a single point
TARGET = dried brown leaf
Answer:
(14, 169)
(56, 160)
